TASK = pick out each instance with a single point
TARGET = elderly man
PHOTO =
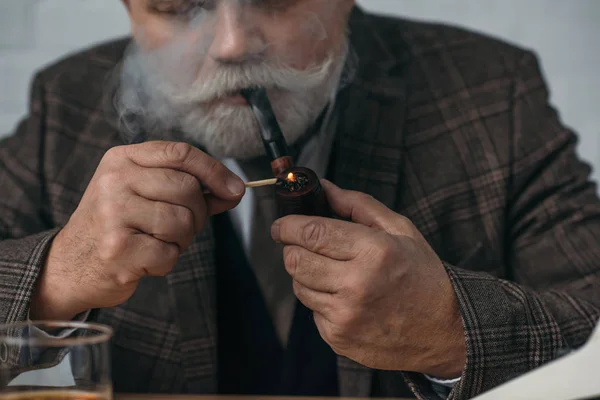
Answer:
(465, 251)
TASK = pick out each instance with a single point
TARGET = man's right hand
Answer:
(140, 211)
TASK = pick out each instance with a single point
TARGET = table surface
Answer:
(188, 397)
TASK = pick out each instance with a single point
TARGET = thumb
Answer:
(360, 208)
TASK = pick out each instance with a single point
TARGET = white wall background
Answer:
(565, 33)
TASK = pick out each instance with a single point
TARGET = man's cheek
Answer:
(299, 42)
(152, 32)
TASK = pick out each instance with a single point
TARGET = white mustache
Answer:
(231, 79)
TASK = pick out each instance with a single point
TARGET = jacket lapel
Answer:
(367, 154)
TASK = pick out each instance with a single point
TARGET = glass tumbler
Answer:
(55, 361)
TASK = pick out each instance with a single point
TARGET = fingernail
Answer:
(235, 185)
(275, 231)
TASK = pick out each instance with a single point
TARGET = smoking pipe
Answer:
(270, 131)
(298, 190)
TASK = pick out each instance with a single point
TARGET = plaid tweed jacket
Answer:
(447, 127)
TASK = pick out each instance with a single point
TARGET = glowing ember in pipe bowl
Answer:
(294, 182)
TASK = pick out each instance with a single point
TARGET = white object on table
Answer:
(574, 376)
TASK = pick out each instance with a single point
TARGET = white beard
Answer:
(154, 91)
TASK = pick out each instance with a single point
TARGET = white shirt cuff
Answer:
(449, 383)
(35, 332)
(65, 333)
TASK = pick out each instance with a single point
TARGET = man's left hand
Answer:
(379, 293)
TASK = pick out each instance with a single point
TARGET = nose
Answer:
(234, 40)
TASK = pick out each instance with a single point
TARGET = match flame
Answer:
(291, 177)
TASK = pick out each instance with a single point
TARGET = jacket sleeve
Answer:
(26, 228)
(550, 302)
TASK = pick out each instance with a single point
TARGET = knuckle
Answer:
(337, 350)
(114, 158)
(369, 248)
(114, 153)
(123, 278)
(291, 259)
(169, 259)
(360, 198)
(298, 289)
(360, 293)
(162, 211)
(112, 246)
(379, 247)
(161, 215)
(403, 220)
(107, 180)
(185, 218)
(109, 211)
(177, 152)
(172, 255)
(405, 226)
(388, 250)
(161, 260)
(165, 216)
(365, 197)
(346, 322)
(314, 234)
(356, 290)
(336, 336)
(188, 183)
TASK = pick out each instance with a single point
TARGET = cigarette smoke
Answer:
(160, 93)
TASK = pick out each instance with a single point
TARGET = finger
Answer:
(313, 300)
(314, 271)
(323, 324)
(363, 209)
(215, 206)
(166, 222)
(212, 174)
(336, 239)
(325, 328)
(170, 186)
(151, 256)
(332, 335)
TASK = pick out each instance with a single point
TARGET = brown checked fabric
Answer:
(449, 128)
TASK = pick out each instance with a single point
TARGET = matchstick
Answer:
(264, 182)
(254, 184)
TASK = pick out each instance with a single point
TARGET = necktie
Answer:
(266, 256)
